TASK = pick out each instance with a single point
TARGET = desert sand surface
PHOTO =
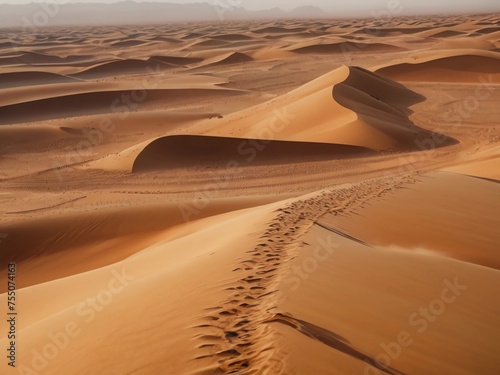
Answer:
(275, 197)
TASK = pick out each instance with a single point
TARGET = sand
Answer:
(282, 197)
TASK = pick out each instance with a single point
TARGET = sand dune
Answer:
(488, 169)
(278, 30)
(347, 111)
(347, 48)
(101, 102)
(167, 269)
(469, 233)
(382, 105)
(12, 137)
(31, 78)
(335, 343)
(446, 34)
(115, 68)
(127, 43)
(484, 164)
(78, 241)
(488, 30)
(231, 37)
(5, 45)
(193, 36)
(36, 58)
(226, 59)
(446, 69)
(391, 31)
(175, 60)
(466, 43)
(217, 152)
(210, 43)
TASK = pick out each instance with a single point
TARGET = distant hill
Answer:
(131, 13)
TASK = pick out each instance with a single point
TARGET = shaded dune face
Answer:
(78, 104)
(226, 59)
(35, 58)
(174, 60)
(347, 47)
(19, 79)
(124, 67)
(364, 112)
(384, 105)
(447, 69)
(193, 151)
(386, 113)
(468, 235)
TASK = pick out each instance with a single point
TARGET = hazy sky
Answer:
(407, 6)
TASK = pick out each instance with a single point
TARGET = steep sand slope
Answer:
(100, 102)
(31, 78)
(484, 164)
(349, 106)
(191, 151)
(115, 68)
(197, 273)
(448, 66)
(346, 47)
(219, 152)
(353, 308)
(443, 217)
(80, 242)
(361, 110)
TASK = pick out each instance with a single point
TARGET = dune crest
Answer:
(355, 108)
(226, 59)
(121, 67)
(352, 106)
(447, 66)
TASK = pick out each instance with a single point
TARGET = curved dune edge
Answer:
(121, 67)
(339, 107)
(270, 53)
(231, 37)
(225, 59)
(16, 79)
(37, 58)
(120, 234)
(12, 137)
(389, 31)
(199, 151)
(314, 327)
(382, 108)
(466, 43)
(175, 60)
(330, 328)
(100, 102)
(278, 30)
(347, 47)
(446, 66)
(485, 164)
(162, 262)
(351, 110)
(202, 151)
(488, 169)
(470, 233)
(59, 88)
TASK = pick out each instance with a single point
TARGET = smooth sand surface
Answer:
(281, 197)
